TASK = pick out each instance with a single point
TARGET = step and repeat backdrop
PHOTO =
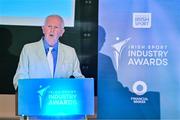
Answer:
(138, 61)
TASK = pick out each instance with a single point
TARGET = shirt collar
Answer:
(46, 45)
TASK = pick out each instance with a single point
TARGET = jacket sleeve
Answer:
(22, 69)
(76, 71)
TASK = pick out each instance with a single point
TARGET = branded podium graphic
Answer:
(56, 97)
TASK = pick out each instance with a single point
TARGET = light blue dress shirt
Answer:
(54, 52)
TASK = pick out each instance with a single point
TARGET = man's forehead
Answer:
(54, 20)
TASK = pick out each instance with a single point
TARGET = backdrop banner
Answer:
(138, 65)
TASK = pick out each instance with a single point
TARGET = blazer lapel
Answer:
(42, 56)
(60, 58)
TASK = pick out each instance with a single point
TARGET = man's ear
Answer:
(42, 29)
(63, 30)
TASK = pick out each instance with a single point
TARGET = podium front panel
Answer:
(56, 97)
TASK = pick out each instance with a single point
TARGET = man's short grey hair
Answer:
(58, 16)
